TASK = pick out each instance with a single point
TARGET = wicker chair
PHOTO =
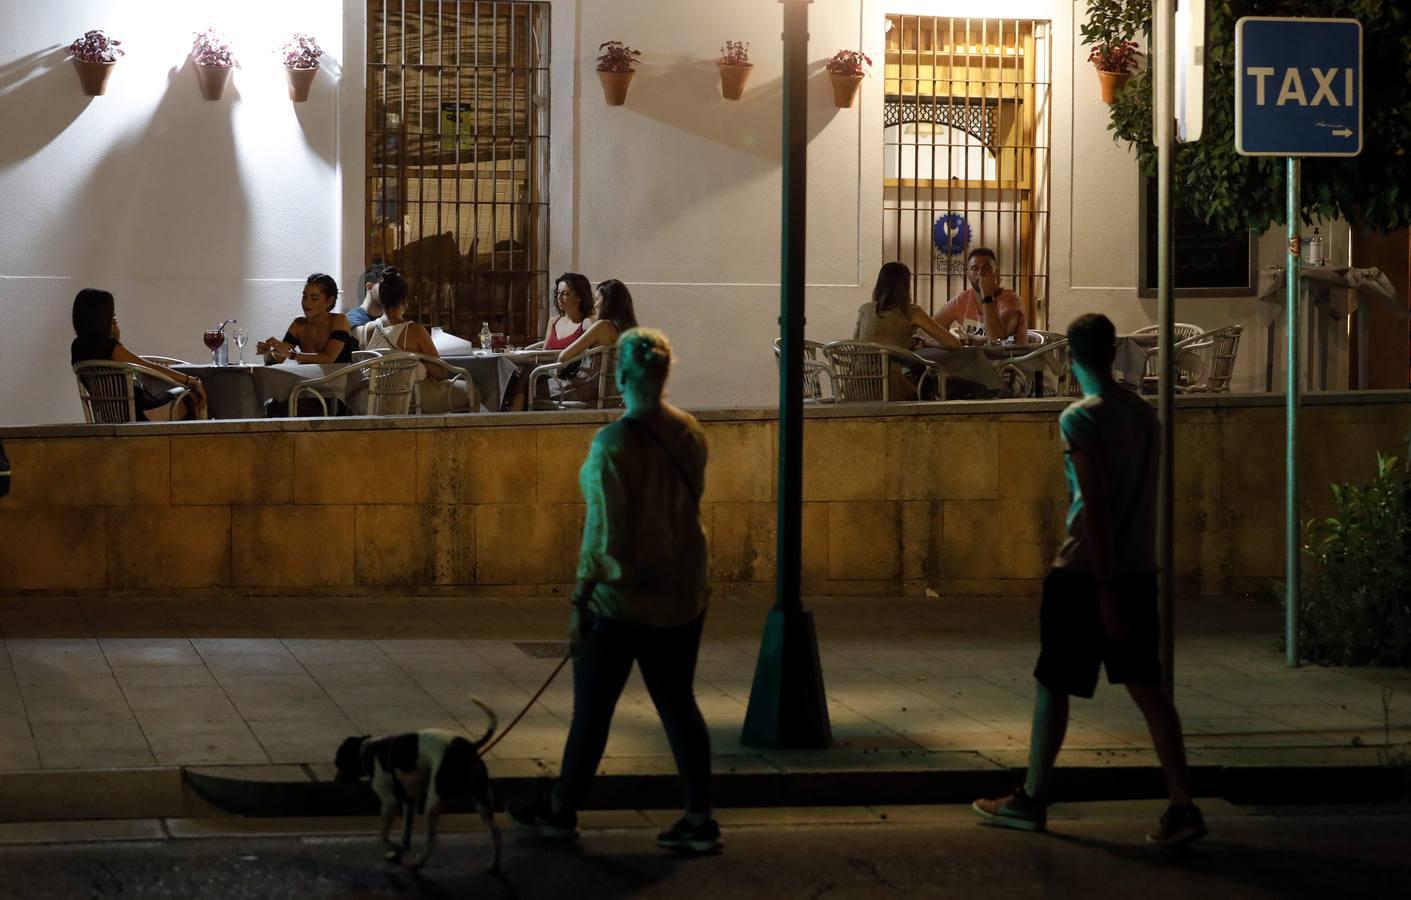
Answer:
(391, 384)
(1179, 331)
(108, 390)
(1190, 365)
(609, 395)
(1018, 382)
(815, 370)
(861, 371)
(453, 374)
(164, 360)
(1217, 349)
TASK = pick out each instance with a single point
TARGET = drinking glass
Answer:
(242, 337)
(213, 338)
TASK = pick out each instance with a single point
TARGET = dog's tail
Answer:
(494, 723)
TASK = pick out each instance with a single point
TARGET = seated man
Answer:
(371, 307)
(997, 312)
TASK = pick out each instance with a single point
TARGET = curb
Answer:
(296, 791)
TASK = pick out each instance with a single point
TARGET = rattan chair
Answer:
(365, 355)
(453, 374)
(1217, 349)
(815, 370)
(164, 360)
(391, 384)
(1019, 383)
(108, 390)
(1180, 331)
(603, 359)
(861, 371)
(1190, 365)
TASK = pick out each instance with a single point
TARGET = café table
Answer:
(240, 392)
(981, 363)
(490, 370)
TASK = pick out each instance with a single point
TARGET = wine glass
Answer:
(242, 337)
(213, 339)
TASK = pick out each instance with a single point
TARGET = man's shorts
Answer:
(1072, 643)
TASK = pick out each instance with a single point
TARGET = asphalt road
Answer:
(1093, 852)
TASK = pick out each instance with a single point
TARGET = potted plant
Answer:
(94, 55)
(213, 58)
(617, 63)
(846, 69)
(735, 68)
(1115, 62)
(301, 53)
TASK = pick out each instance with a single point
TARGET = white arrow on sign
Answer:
(1338, 130)
(1343, 132)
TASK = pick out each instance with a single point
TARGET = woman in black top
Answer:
(96, 336)
(318, 336)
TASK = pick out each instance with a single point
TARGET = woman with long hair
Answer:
(97, 336)
(891, 318)
(320, 335)
(614, 315)
(394, 331)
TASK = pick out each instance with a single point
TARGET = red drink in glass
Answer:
(213, 339)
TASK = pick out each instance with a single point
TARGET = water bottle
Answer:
(1315, 249)
(485, 335)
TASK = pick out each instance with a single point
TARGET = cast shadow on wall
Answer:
(317, 117)
(36, 108)
(685, 94)
(164, 205)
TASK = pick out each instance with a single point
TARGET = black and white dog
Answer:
(421, 770)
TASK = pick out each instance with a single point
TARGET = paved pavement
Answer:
(914, 685)
(1092, 850)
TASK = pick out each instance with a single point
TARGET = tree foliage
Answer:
(1229, 191)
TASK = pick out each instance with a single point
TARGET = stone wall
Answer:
(963, 498)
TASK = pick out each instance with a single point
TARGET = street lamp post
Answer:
(788, 708)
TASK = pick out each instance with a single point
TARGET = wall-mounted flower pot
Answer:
(1111, 83)
(212, 79)
(93, 76)
(845, 88)
(615, 86)
(732, 80)
(300, 81)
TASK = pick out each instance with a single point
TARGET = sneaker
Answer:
(538, 815)
(702, 838)
(1180, 825)
(1016, 810)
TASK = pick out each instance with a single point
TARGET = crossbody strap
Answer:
(643, 428)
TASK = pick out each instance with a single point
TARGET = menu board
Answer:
(1208, 262)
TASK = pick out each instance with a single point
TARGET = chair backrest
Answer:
(1220, 353)
(609, 394)
(107, 391)
(860, 371)
(1037, 337)
(1179, 330)
(391, 382)
(815, 362)
(165, 360)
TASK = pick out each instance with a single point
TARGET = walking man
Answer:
(1099, 602)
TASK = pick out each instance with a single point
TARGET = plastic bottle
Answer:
(485, 335)
(1315, 249)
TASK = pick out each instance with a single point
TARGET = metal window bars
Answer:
(967, 129)
(458, 159)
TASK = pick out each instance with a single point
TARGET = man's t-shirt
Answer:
(966, 306)
(1120, 429)
(358, 317)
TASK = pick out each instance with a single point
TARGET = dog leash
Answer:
(532, 700)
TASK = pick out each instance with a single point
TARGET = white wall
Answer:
(192, 211)
(189, 211)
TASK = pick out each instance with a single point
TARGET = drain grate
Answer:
(543, 649)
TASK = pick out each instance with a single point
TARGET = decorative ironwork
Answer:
(976, 118)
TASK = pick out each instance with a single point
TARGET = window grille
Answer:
(458, 159)
(966, 133)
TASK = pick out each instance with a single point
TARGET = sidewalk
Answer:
(101, 697)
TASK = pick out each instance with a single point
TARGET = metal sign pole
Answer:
(1292, 532)
(1163, 131)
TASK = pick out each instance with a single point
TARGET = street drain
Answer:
(543, 649)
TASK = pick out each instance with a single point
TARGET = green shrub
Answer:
(1355, 603)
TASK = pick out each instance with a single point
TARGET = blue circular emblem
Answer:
(951, 234)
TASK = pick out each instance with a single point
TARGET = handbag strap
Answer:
(643, 428)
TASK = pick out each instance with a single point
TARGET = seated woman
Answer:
(572, 298)
(891, 318)
(615, 315)
(393, 331)
(318, 336)
(97, 336)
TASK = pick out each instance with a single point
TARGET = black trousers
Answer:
(667, 658)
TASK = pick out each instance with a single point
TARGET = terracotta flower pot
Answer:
(212, 79)
(1111, 83)
(93, 76)
(845, 88)
(732, 80)
(615, 86)
(300, 81)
